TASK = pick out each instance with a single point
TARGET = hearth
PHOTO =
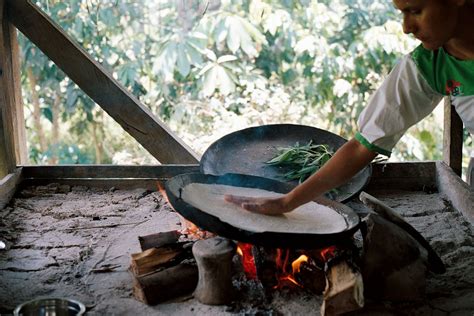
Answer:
(386, 259)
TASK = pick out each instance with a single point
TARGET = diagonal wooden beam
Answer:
(96, 82)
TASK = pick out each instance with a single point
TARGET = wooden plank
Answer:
(106, 171)
(94, 80)
(105, 184)
(456, 190)
(12, 127)
(8, 186)
(452, 138)
(403, 176)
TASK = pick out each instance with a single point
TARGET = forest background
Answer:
(210, 67)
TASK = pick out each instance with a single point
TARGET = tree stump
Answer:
(214, 260)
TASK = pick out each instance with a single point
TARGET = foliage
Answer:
(301, 161)
(211, 67)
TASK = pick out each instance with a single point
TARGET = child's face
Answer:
(433, 22)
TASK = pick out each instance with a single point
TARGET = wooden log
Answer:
(214, 260)
(311, 277)
(96, 82)
(455, 190)
(452, 138)
(435, 263)
(152, 259)
(161, 286)
(344, 290)
(393, 264)
(12, 122)
(265, 265)
(158, 240)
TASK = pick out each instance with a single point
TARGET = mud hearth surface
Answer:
(76, 242)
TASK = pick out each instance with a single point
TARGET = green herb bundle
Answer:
(301, 160)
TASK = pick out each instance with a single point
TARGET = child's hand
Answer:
(266, 206)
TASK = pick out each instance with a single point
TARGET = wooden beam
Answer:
(96, 82)
(452, 138)
(12, 126)
(457, 192)
(403, 175)
(8, 186)
(106, 171)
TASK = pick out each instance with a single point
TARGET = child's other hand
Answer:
(266, 206)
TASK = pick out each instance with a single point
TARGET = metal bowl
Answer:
(50, 307)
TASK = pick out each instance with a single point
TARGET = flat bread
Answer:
(310, 218)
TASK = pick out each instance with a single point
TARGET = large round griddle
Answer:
(247, 151)
(270, 239)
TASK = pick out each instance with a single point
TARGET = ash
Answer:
(76, 242)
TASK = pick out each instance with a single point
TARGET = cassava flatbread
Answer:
(310, 218)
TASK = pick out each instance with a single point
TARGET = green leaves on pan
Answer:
(301, 160)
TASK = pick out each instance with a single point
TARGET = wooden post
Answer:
(12, 122)
(97, 83)
(452, 138)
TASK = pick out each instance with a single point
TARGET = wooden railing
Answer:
(94, 80)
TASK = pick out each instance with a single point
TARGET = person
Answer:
(442, 65)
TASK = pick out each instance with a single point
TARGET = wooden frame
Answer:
(95, 81)
(12, 126)
(452, 138)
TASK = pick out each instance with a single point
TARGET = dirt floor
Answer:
(76, 242)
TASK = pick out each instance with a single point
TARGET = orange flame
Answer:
(248, 260)
(328, 253)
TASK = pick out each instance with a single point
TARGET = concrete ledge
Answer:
(455, 190)
(8, 186)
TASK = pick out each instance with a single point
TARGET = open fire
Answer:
(339, 272)
(288, 272)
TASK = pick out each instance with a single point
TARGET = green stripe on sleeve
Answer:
(361, 139)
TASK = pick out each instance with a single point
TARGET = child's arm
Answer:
(346, 162)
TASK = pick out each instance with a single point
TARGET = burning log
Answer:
(160, 286)
(344, 289)
(393, 264)
(214, 260)
(311, 277)
(266, 266)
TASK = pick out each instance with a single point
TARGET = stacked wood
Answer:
(344, 289)
(214, 260)
(164, 270)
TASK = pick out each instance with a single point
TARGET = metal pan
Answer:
(247, 151)
(270, 239)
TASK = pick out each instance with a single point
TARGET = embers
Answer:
(288, 268)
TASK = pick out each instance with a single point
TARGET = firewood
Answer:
(435, 263)
(311, 277)
(393, 263)
(159, 239)
(214, 260)
(344, 290)
(160, 286)
(151, 259)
